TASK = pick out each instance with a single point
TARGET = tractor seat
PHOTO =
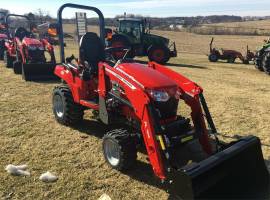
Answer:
(91, 50)
(21, 33)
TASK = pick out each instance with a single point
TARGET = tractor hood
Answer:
(145, 76)
(156, 39)
(32, 42)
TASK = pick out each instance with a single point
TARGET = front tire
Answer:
(213, 58)
(65, 110)
(119, 149)
(258, 61)
(266, 63)
(8, 60)
(17, 67)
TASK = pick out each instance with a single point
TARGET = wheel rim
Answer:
(111, 150)
(58, 106)
(158, 55)
(213, 57)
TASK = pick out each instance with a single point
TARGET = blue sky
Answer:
(157, 8)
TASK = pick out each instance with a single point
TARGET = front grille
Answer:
(167, 109)
(36, 56)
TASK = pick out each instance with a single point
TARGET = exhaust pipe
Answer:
(39, 72)
(238, 171)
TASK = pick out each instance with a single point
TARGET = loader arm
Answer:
(20, 47)
(211, 45)
(49, 48)
(190, 93)
(141, 105)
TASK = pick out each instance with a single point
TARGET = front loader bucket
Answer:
(238, 171)
(38, 72)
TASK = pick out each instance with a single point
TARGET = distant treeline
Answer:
(198, 25)
(222, 30)
(157, 22)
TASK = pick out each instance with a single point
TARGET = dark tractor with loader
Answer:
(133, 33)
(27, 54)
(262, 57)
(229, 55)
(49, 32)
(139, 104)
(3, 34)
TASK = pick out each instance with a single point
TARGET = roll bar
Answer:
(2, 18)
(15, 15)
(60, 24)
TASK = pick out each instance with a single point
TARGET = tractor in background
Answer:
(229, 55)
(262, 57)
(26, 54)
(139, 103)
(133, 33)
(49, 32)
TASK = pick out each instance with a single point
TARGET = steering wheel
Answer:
(109, 51)
(21, 33)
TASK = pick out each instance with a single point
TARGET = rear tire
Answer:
(8, 60)
(121, 41)
(266, 63)
(65, 110)
(159, 54)
(17, 67)
(213, 58)
(119, 149)
(258, 61)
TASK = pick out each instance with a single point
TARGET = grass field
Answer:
(237, 95)
(261, 24)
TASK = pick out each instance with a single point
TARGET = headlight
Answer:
(157, 95)
(32, 48)
(41, 48)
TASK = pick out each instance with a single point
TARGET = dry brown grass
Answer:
(261, 24)
(238, 97)
(233, 28)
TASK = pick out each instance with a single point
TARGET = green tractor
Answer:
(134, 33)
(262, 57)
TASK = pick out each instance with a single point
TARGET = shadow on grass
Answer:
(176, 65)
(46, 81)
(235, 63)
(97, 129)
(142, 171)
(92, 128)
(237, 137)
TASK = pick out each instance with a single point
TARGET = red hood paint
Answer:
(31, 41)
(146, 76)
(3, 36)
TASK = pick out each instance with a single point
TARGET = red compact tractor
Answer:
(229, 55)
(3, 34)
(26, 54)
(142, 102)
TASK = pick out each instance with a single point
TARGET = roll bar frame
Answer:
(60, 24)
